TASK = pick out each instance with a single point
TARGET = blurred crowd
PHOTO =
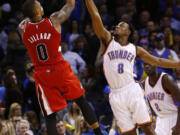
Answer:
(156, 29)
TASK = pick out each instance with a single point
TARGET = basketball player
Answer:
(126, 97)
(55, 81)
(162, 93)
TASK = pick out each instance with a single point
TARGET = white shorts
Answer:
(129, 107)
(164, 125)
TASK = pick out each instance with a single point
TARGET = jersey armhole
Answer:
(136, 50)
(50, 21)
(144, 84)
(106, 45)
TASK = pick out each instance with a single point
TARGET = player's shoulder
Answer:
(166, 79)
(166, 76)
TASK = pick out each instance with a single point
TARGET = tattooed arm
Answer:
(62, 15)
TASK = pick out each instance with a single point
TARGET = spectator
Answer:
(93, 44)
(15, 120)
(73, 113)
(162, 52)
(106, 18)
(81, 46)
(105, 116)
(16, 50)
(168, 37)
(150, 26)
(76, 62)
(23, 128)
(151, 39)
(12, 93)
(2, 92)
(61, 129)
(131, 10)
(82, 128)
(144, 18)
(7, 128)
(165, 22)
(89, 81)
(119, 11)
(29, 90)
(135, 37)
(78, 12)
(3, 39)
(15, 110)
(176, 44)
(6, 12)
(33, 121)
(74, 32)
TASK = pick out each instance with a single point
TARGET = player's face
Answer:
(121, 29)
(149, 69)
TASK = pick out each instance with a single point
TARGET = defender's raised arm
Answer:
(159, 62)
(63, 14)
(99, 29)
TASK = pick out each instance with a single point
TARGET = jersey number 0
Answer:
(42, 52)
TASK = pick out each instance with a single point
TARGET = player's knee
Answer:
(148, 128)
(80, 101)
(133, 132)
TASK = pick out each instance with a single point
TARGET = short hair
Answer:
(131, 28)
(28, 8)
(22, 121)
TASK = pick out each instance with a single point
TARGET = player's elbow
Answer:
(71, 4)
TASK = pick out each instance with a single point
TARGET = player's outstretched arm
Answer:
(159, 62)
(21, 26)
(170, 85)
(62, 15)
(98, 27)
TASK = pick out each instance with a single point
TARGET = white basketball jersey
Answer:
(161, 102)
(118, 62)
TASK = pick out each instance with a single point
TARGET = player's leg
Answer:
(133, 132)
(73, 90)
(50, 101)
(88, 114)
(148, 129)
(141, 111)
(119, 101)
(51, 124)
(164, 125)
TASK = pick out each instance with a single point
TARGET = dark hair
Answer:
(9, 81)
(28, 8)
(33, 120)
(131, 28)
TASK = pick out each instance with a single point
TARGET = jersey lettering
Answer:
(40, 36)
(121, 54)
